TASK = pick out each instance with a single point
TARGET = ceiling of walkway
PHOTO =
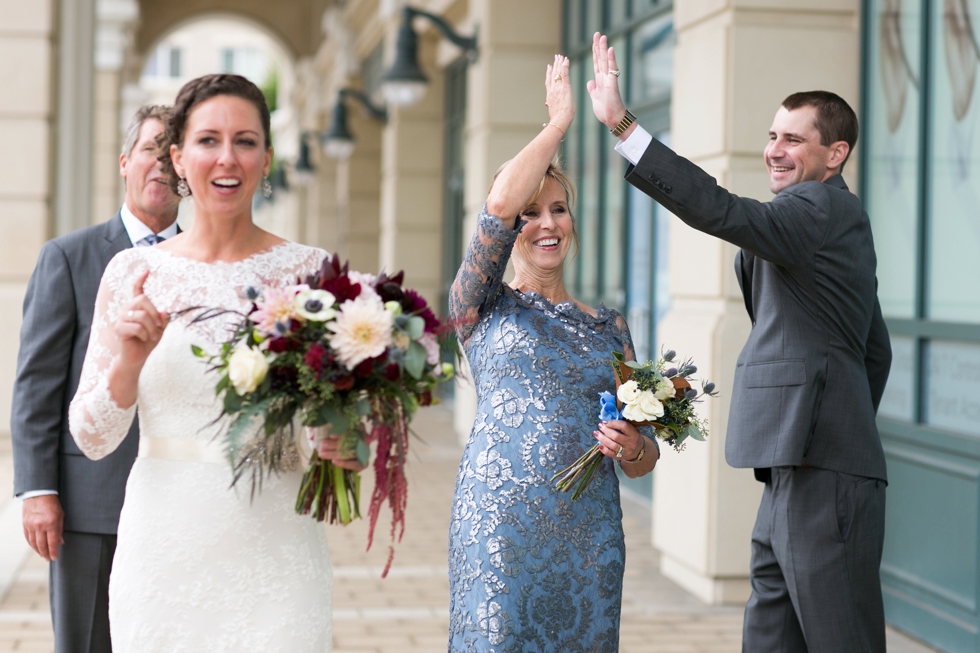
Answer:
(297, 23)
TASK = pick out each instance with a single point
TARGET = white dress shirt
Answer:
(635, 145)
(137, 232)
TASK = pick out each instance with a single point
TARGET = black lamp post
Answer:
(303, 171)
(338, 142)
(404, 83)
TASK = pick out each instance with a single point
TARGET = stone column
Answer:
(27, 33)
(411, 183)
(721, 111)
(505, 110)
(114, 22)
(75, 84)
(359, 191)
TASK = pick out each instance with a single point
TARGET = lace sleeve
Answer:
(97, 423)
(630, 354)
(481, 275)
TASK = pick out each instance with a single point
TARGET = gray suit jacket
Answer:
(809, 379)
(58, 312)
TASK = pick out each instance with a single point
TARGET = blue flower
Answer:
(607, 407)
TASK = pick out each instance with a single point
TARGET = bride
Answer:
(200, 566)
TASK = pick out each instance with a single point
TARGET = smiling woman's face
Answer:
(223, 156)
(546, 238)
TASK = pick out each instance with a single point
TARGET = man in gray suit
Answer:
(71, 504)
(809, 379)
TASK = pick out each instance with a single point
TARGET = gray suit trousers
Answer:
(79, 590)
(816, 553)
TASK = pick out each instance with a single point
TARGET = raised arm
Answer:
(125, 329)
(479, 279)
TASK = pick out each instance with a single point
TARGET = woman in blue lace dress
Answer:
(531, 570)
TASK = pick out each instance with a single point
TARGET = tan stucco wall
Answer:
(26, 112)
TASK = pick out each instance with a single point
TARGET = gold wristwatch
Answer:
(627, 120)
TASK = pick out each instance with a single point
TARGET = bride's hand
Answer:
(329, 449)
(560, 99)
(139, 327)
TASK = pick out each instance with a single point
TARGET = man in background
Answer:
(72, 504)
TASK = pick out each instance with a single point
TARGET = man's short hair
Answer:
(836, 120)
(144, 113)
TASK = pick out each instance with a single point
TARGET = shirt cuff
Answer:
(635, 145)
(36, 493)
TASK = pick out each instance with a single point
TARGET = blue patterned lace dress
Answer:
(530, 570)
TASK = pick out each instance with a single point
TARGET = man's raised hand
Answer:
(607, 103)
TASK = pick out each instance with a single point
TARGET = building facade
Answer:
(704, 75)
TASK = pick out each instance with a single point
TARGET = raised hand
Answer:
(560, 99)
(607, 103)
(139, 327)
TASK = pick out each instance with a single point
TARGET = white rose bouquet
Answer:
(354, 351)
(657, 394)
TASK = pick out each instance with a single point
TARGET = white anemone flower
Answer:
(361, 330)
(315, 305)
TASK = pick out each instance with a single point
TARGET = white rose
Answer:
(247, 369)
(646, 408)
(628, 392)
(665, 390)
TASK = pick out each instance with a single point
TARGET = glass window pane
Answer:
(573, 23)
(588, 212)
(593, 18)
(898, 402)
(570, 152)
(613, 216)
(639, 313)
(652, 61)
(952, 386)
(954, 217)
(662, 243)
(894, 157)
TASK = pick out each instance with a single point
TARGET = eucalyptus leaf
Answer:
(415, 360)
(363, 407)
(415, 327)
(693, 431)
(197, 351)
(633, 365)
(329, 415)
(363, 452)
(233, 402)
(618, 355)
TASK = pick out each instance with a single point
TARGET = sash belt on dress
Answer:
(182, 449)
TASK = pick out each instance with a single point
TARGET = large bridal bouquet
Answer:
(353, 353)
(657, 394)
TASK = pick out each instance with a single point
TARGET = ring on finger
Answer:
(558, 77)
(619, 454)
(615, 73)
(129, 315)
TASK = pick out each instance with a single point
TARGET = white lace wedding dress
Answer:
(198, 565)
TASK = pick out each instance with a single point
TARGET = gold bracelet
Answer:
(551, 124)
(643, 450)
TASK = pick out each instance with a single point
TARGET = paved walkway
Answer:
(407, 612)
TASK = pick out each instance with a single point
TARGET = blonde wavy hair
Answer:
(556, 173)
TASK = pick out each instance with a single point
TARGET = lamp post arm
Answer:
(376, 112)
(466, 43)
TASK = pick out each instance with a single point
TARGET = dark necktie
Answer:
(150, 240)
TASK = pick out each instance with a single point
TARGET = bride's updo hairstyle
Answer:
(192, 94)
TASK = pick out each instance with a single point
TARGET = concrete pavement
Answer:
(407, 612)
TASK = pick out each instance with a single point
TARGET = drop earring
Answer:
(266, 188)
(183, 189)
